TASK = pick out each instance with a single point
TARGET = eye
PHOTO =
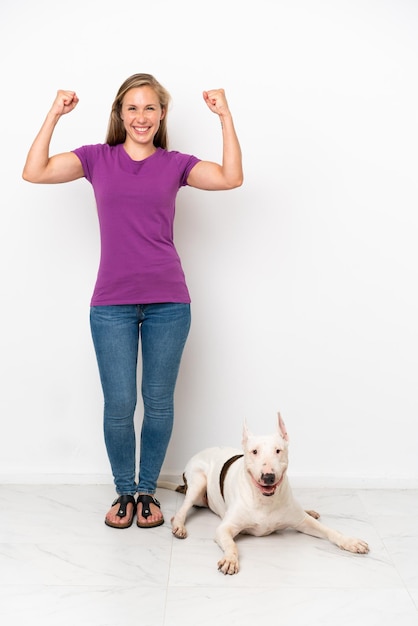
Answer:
(255, 451)
(278, 451)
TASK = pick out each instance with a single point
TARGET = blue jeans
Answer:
(116, 330)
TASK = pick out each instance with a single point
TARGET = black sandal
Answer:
(123, 501)
(146, 500)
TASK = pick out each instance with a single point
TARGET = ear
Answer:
(282, 428)
(163, 112)
(245, 433)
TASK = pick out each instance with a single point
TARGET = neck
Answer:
(139, 153)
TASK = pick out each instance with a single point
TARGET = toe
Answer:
(155, 516)
(114, 519)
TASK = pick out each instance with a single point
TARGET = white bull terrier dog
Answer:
(250, 491)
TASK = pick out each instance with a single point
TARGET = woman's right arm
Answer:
(60, 168)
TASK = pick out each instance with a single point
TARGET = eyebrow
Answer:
(149, 104)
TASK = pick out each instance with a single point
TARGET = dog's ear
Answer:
(245, 433)
(282, 428)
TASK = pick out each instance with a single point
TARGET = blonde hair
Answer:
(116, 132)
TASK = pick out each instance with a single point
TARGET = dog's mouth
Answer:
(266, 490)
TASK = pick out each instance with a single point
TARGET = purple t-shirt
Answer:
(135, 201)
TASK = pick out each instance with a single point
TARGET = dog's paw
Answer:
(228, 565)
(178, 530)
(355, 545)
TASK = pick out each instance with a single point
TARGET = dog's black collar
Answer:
(224, 470)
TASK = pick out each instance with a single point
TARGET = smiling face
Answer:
(266, 460)
(141, 114)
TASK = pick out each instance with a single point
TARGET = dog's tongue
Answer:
(267, 490)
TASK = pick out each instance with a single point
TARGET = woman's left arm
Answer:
(213, 176)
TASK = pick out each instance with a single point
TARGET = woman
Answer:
(140, 296)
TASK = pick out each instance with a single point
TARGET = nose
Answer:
(268, 479)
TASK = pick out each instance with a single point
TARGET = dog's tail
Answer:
(166, 484)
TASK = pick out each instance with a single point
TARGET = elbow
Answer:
(28, 177)
(236, 182)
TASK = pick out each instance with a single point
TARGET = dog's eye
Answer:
(278, 451)
(254, 451)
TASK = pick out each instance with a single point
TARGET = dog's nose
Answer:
(268, 479)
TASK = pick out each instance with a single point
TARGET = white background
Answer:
(303, 281)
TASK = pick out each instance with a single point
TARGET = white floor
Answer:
(60, 565)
